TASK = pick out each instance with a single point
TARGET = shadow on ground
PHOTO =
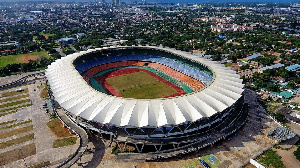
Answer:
(94, 152)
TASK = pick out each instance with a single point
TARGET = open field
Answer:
(140, 85)
(21, 58)
(46, 35)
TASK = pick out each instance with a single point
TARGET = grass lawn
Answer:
(14, 103)
(11, 112)
(15, 125)
(196, 163)
(212, 164)
(193, 163)
(14, 155)
(40, 165)
(46, 34)
(12, 93)
(21, 58)
(140, 85)
(8, 122)
(58, 129)
(43, 91)
(16, 131)
(14, 98)
(15, 141)
(14, 108)
(64, 142)
(270, 159)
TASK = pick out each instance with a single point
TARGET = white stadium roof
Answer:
(73, 93)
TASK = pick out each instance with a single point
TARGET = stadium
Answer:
(149, 99)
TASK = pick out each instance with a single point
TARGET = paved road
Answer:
(16, 80)
(72, 47)
(59, 50)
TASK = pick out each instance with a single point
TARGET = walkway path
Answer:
(80, 132)
(59, 50)
(17, 80)
(39, 118)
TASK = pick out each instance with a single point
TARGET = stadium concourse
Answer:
(202, 101)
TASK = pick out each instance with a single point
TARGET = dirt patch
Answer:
(46, 37)
(13, 155)
(26, 58)
(58, 128)
(288, 158)
(296, 99)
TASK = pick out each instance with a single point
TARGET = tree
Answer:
(291, 85)
(280, 117)
(245, 67)
(297, 153)
(273, 88)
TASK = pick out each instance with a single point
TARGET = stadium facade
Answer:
(211, 109)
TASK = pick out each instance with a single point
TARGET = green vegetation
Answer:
(297, 153)
(58, 129)
(47, 34)
(278, 116)
(16, 131)
(52, 116)
(228, 64)
(14, 108)
(44, 91)
(270, 159)
(245, 67)
(13, 59)
(40, 165)
(279, 147)
(140, 85)
(11, 112)
(262, 79)
(8, 122)
(19, 140)
(67, 51)
(14, 103)
(14, 98)
(64, 142)
(14, 155)
(12, 93)
(17, 124)
(31, 63)
(192, 163)
(214, 164)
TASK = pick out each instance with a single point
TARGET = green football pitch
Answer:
(140, 85)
